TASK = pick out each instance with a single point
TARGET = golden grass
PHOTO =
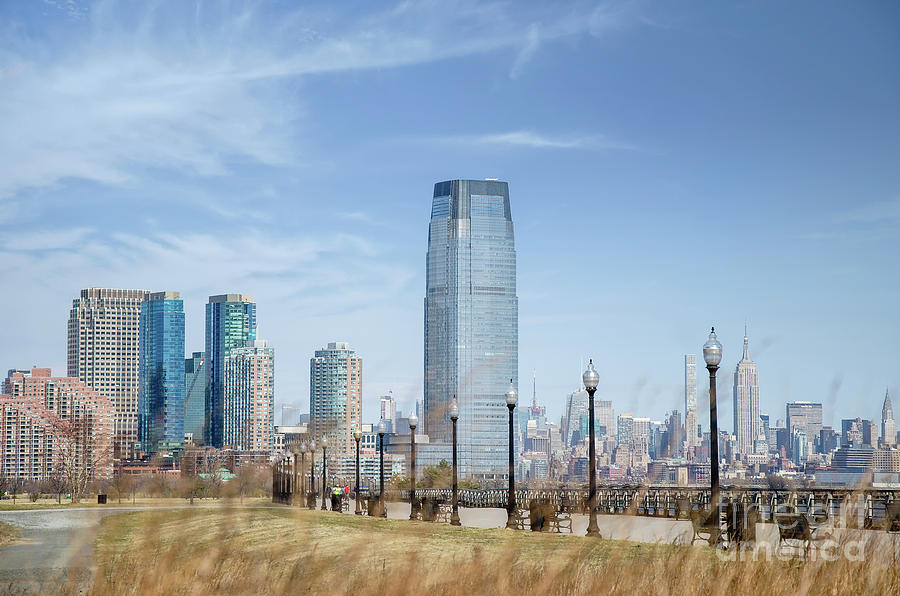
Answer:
(8, 533)
(281, 551)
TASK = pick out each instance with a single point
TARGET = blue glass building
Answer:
(161, 370)
(471, 321)
(230, 323)
(195, 395)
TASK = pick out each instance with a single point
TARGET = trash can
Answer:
(101, 499)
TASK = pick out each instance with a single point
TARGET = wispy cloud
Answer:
(883, 211)
(535, 140)
(197, 88)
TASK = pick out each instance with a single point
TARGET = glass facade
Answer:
(471, 321)
(161, 370)
(195, 379)
(230, 323)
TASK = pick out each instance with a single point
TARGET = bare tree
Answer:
(211, 473)
(5, 484)
(56, 483)
(83, 447)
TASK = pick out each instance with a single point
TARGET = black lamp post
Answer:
(712, 353)
(357, 435)
(381, 431)
(511, 399)
(454, 416)
(324, 443)
(303, 472)
(311, 498)
(413, 505)
(591, 379)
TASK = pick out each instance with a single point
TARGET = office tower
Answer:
(604, 417)
(230, 323)
(888, 428)
(800, 447)
(576, 408)
(195, 380)
(249, 400)
(675, 434)
(690, 400)
(161, 370)
(471, 321)
(625, 429)
(804, 415)
(51, 426)
(102, 351)
(746, 402)
(389, 410)
(335, 395)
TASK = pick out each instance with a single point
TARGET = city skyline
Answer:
(612, 125)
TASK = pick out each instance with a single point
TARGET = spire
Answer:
(746, 345)
(887, 410)
(533, 389)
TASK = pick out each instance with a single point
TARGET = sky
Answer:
(671, 166)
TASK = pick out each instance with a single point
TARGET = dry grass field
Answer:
(7, 533)
(281, 551)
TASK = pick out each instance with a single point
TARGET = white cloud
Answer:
(536, 140)
(873, 212)
(165, 87)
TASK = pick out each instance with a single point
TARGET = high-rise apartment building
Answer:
(51, 424)
(605, 418)
(335, 396)
(746, 402)
(195, 381)
(690, 400)
(230, 323)
(249, 401)
(161, 370)
(471, 321)
(102, 352)
(888, 428)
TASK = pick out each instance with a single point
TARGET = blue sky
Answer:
(670, 167)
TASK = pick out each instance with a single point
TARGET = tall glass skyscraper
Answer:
(161, 370)
(230, 323)
(195, 378)
(471, 321)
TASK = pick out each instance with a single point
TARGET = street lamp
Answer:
(311, 499)
(591, 379)
(324, 443)
(413, 509)
(712, 353)
(511, 398)
(357, 434)
(303, 450)
(454, 416)
(381, 430)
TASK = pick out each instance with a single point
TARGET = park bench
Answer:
(795, 529)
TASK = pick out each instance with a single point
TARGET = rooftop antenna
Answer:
(534, 389)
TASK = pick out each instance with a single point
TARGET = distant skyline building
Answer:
(335, 396)
(195, 380)
(690, 400)
(888, 428)
(746, 402)
(249, 401)
(102, 351)
(161, 371)
(804, 415)
(389, 410)
(471, 321)
(230, 323)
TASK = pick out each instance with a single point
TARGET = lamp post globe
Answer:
(511, 398)
(712, 350)
(454, 410)
(590, 377)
